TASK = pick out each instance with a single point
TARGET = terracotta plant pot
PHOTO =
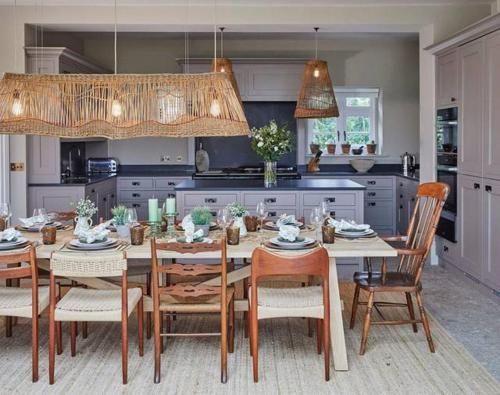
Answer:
(371, 148)
(331, 148)
(346, 148)
(314, 148)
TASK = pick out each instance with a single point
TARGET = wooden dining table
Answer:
(342, 248)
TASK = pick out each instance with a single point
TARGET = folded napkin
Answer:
(289, 232)
(97, 233)
(189, 233)
(285, 219)
(344, 225)
(31, 222)
(9, 234)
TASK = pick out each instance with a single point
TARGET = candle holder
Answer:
(155, 229)
(136, 235)
(49, 234)
(171, 232)
(328, 233)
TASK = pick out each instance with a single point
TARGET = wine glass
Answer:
(131, 216)
(40, 217)
(5, 213)
(261, 211)
(325, 209)
(316, 218)
(223, 218)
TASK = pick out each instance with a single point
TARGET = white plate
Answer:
(364, 233)
(11, 244)
(272, 224)
(306, 241)
(78, 244)
(37, 228)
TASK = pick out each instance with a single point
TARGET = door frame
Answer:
(4, 169)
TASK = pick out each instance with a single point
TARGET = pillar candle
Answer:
(170, 205)
(153, 210)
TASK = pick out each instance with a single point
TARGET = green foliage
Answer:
(324, 132)
(236, 209)
(201, 216)
(119, 214)
(85, 208)
(271, 141)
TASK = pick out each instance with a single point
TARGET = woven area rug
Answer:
(397, 361)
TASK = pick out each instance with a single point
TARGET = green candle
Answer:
(153, 210)
(170, 203)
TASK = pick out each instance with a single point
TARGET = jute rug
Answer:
(397, 361)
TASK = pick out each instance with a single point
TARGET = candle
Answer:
(158, 218)
(170, 205)
(153, 210)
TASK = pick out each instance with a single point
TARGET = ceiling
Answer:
(247, 2)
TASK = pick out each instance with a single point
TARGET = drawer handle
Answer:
(270, 200)
(136, 205)
(171, 195)
(372, 194)
(332, 214)
(476, 185)
(488, 188)
(453, 99)
(113, 196)
(445, 248)
(401, 196)
(329, 200)
(210, 200)
(104, 199)
(92, 191)
(214, 213)
(136, 183)
(171, 183)
(372, 182)
(136, 195)
(272, 213)
(372, 204)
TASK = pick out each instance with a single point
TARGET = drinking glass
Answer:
(223, 218)
(5, 213)
(40, 217)
(316, 218)
(131, 216)
(261, 212)
(325, 210)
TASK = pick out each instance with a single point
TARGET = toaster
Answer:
(102, 165)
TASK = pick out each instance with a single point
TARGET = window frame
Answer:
(373, 112)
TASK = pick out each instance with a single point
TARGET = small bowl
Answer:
(362, 165)
(357, 151)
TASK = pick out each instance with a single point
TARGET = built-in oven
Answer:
(449, 177)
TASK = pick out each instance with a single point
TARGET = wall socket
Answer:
(17, 167)
(165, 158)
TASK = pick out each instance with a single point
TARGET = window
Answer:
(356, 125)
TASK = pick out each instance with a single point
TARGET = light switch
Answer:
(17, 167)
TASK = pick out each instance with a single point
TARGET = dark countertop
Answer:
(283, 185)
(156, 173)
(411, 176)
(77, 181)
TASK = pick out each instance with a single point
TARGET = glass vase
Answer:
(270, 174)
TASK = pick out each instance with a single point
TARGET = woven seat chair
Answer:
(88, 305)
(413, 251)
(310, 301)
(192, 297)
(23, 302)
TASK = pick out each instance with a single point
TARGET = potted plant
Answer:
(202, 219)
(371, 148)
(120, 220)
(85, 209)
(271, 142)
(314, 147)
(331, 147)
(238, 212)
(346, 146)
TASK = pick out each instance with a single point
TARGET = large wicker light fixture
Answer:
(316, 97)
(224, 65)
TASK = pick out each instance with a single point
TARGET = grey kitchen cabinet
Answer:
(103, 194)
(447, 250)
(491, 260)
(54, 198)
(44, 164)
(406, 193)
(471, 116)
(447, 79)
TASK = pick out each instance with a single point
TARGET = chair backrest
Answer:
(66, 215)
(95, 264)
(27, 255)
(266, 264)
(422, 228)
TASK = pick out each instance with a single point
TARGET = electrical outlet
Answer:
(165, 158)
(17, 167)
(179, 158)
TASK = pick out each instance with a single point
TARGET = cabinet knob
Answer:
(272, 213)
(136, 205)
(329, 200)
(372, 194)
(372, 182)
(476, 185)
(103, 199)
(136, 195)
(401, 196)
(372, 204)
(453, 99)
(92, 191)
(487, 188)
(211, 200)
(445, 248)
(136, 183)
(270, 200)
(113, 195)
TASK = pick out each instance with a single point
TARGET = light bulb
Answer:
(17, 107)
(215, 108)
(222, 69)
(116, 108)
(316, 73)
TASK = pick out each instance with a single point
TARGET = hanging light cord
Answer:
(222, 42)
(215, 32)
(316, 42)
(115, 39)
(15, 35)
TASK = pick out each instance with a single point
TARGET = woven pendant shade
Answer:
(316, 97)
(121, 106)
(224, 65)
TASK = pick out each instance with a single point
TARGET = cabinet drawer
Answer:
(375, 194)
(337, 213)
(334, 198)
(167, 183)
(379, 213)
(208, 199)
(135, 183)
(381, 182)
(144, 195)
(250, 200)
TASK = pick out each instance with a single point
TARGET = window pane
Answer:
(358, 101)
(358, 129)
(324, 131)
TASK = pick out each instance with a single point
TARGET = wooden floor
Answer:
(396, 361)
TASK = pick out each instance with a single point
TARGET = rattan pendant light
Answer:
(316, 96)
(224, 65)
(119, 106)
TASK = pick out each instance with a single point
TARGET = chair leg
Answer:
(409, 302)
(318, 335)
(8, 326)
(140, 326)
(162, 330)
(354, 309)
(125, 350)
(157, 339)
(223, 348)
(245, 313)
(231, 326)
(58, 326)
(52, 350)
(366, 325)
(73, 329)
(254, 343)
(326, 347)
(148, 315)
(425, 322)
(85, 332)
(34, 348)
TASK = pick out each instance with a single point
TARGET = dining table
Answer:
(373, 247)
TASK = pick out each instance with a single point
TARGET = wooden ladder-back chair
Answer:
(194, 297)
(310, 301)
(95, 305)
(413, 251)
(22, 302)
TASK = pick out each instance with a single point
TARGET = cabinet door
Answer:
(491, 263)
(470, 206)
(92, 194)
(472, 114)
(44, 155)
(55, 198)
(274, 82)
(491, 152)
(447, 79)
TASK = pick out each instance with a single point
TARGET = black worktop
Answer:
(82, 181)
(283, 185)
(345, 170)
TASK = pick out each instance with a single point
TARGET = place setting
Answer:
(38, 221)
(95, 239)
(284, 219)
(12, 239)
(350, 230)
(289, 238)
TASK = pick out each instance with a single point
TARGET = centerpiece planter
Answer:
(119, 219)
(85, 209)
(238, 212)
(202, 218)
